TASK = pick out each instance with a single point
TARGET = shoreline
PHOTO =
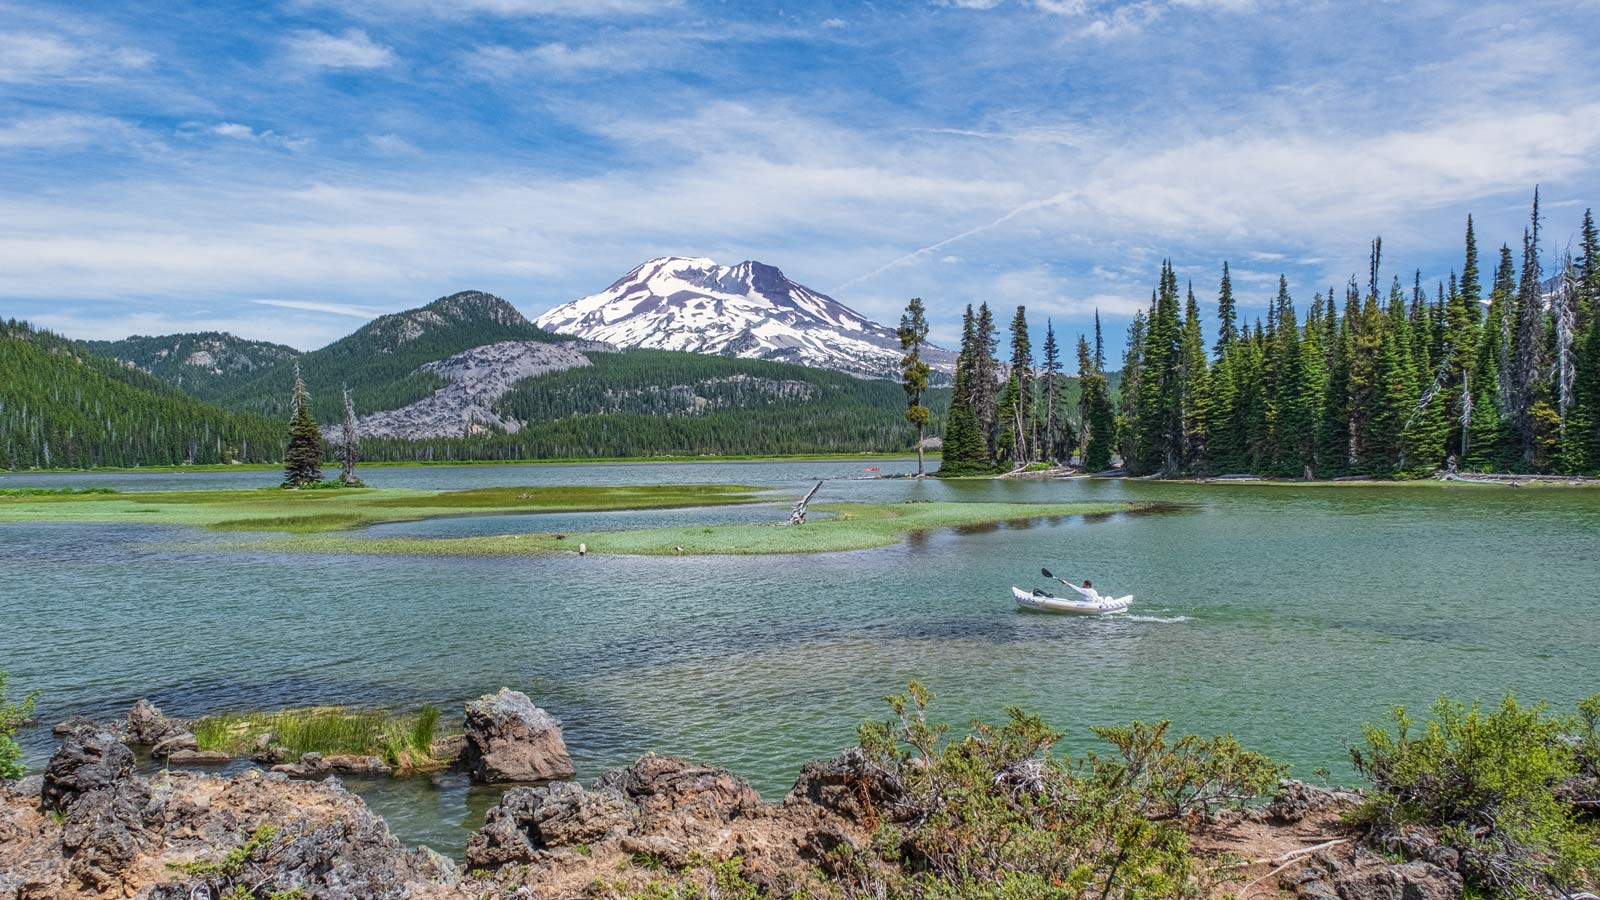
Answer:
(1205, 817)
(422, 464)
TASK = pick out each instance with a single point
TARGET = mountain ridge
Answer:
(749, 310)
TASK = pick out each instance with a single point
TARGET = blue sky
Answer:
(285, 169)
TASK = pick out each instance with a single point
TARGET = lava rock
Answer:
(88, 760)
(668, 788)
(562, 814)
(849, 784)
(199, 758)
(147, 727)
(1407, 881)
(1295, 800)
(510, 740)
(180, 742)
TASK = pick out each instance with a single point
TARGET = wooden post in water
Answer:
(797, 516)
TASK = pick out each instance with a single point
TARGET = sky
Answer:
(287, 169)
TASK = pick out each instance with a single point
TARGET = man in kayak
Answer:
(1088, 591)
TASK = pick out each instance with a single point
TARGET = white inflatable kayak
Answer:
(1044, 602)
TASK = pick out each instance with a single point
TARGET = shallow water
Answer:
(1286, 615)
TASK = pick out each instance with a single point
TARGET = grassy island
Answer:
(274, 509)
(840, 526)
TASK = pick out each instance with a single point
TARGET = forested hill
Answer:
(379, 362)
(657, 402)
(203, 364)
(63, 406)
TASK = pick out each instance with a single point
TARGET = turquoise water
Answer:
(1285, 615)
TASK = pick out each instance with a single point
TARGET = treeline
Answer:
(1399, 382)
(63, 407)
(1016, 414)
(775, 429)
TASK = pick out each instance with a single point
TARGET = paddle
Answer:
(1048, 574)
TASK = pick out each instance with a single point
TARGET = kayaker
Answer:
(1088, 591)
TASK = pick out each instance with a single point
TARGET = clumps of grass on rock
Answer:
(1503, 789)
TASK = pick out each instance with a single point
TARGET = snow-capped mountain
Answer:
(749, 310)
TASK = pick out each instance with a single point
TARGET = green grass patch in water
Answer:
(849, 526)
(403, 740)
(273, 509)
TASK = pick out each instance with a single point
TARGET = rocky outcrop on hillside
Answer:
(477, 378)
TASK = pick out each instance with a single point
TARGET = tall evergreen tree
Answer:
(1530, 351)
(1194, 387)
(1017, 409)
(964, 451)
(914, 373)
(986, 381)
(1130, 389)
(302, 461)
(1053, 433)
(1226, 315)
(1097, 423)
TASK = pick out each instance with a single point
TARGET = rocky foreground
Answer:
(91, 826)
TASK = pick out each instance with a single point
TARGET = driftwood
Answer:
(797, 516)
(1289, 860)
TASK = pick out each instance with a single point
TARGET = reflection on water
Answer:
(1287, 615)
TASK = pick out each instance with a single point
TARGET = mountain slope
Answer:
(203, 364)
(749, 310)
(382, 362)
(655, 402)
(62, 406)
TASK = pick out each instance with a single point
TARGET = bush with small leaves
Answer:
(12, 717)
(1487, 781)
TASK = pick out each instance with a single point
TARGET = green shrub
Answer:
(12, 717)
(238, 874)
(995, 814)
(1486, 781)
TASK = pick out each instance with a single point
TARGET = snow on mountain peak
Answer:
(749, 310)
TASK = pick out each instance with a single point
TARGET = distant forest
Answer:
(64, 407)
(1407, 379)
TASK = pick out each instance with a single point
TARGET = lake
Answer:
(1286, 615)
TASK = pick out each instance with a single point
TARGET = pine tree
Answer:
(964, 451)
(986, 378)
(349, 444)
(1530, 411)
(1017, 413)
(1194, 387)
(1159, 423)
(1226, 316)
(1130, 389)
(302, 462)
(1053, 433)
(1096, 418)
(914, 373)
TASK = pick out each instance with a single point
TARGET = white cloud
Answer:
(392, 145)
(63, 131)
(834, 23)
(332, 309)
(351, 50)
(44, 57)
(580, 9)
